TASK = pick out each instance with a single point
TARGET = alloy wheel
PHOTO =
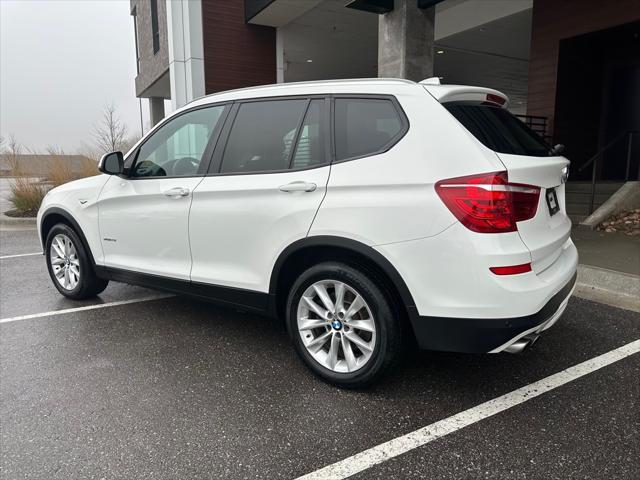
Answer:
(336, 326)
(64, 262)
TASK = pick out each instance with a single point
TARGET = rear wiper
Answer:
(556, 150)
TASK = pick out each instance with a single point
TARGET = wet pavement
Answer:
(179, 388)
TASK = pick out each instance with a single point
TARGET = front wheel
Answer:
(69, 265)
(343, 325)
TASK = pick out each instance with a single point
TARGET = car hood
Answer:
(87, 183)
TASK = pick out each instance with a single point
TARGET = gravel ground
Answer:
(625, 222)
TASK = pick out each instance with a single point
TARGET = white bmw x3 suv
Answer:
(361, 212)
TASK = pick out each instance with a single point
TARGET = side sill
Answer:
(257, 302)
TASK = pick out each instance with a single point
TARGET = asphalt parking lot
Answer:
(177, 388)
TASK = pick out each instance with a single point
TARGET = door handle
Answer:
(298, 187)
(177, 192)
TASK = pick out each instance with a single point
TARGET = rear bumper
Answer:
(482, 335)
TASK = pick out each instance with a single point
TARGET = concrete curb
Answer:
(613, 288)
(627, 197)
(28, 222)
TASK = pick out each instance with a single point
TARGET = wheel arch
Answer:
(311, 250)
(55, 215)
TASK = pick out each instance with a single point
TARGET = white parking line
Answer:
(20, 255)
(82, 309)
(388, 450)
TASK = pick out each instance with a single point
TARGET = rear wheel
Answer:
(69, 265)
(343, 325)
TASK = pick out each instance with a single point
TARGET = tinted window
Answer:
(155, 32)
(498, 129)
(177, 147)
(364, 126)
(262, 136)
(310, 149)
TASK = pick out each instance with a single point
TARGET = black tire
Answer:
(389, 334)
(89, 285)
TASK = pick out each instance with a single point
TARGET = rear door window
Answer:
(263, 136)
(365, 126)
(498, 129)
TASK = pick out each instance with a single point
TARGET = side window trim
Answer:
(392, 141)
(207, 156)
(332, 130)
(208, 151)
(296, 139)
(216, 162)
(215, 166)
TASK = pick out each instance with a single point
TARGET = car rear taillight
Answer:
(488, 203)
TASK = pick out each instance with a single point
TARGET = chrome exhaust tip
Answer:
(520, 345)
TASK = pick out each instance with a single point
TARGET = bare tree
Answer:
(13, 151)
(14, 147)
(110, 133)
(55, 151)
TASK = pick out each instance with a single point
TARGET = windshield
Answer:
(498, 129)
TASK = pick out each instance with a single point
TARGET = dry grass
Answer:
(27, 192)
(60, 171)
(89, 168)
(27, 195)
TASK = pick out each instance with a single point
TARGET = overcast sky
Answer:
(61, 61)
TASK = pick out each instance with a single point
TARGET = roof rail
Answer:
(310, 83)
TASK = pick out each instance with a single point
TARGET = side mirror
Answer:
(111, 163)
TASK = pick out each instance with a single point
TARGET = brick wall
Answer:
(236, 54)
(554, 20)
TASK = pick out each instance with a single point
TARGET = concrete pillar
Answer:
(156, 109)
(405, 41)
(279, 55)
(186, 51)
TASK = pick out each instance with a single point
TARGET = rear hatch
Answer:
(527, 160)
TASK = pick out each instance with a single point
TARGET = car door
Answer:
(266, 183)
(144, 214)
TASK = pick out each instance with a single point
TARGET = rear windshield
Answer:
(498, 129)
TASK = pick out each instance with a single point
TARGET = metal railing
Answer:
(536, 123)
(594, 162)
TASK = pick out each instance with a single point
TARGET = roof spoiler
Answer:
(464, 93)
(431, 81)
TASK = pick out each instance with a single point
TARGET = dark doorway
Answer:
(598, 100)
(621, 114)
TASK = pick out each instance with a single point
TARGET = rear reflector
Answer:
(488, 203)
(512, 270)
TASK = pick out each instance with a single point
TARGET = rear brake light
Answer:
(511, 270)
(497, 99)
(488, 203)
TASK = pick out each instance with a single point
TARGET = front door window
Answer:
(177, 148)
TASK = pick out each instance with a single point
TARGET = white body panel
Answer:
(144, 230)
(239, 225)
(544, 234)
(80, 200)
(448, 275)
(390, 197)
